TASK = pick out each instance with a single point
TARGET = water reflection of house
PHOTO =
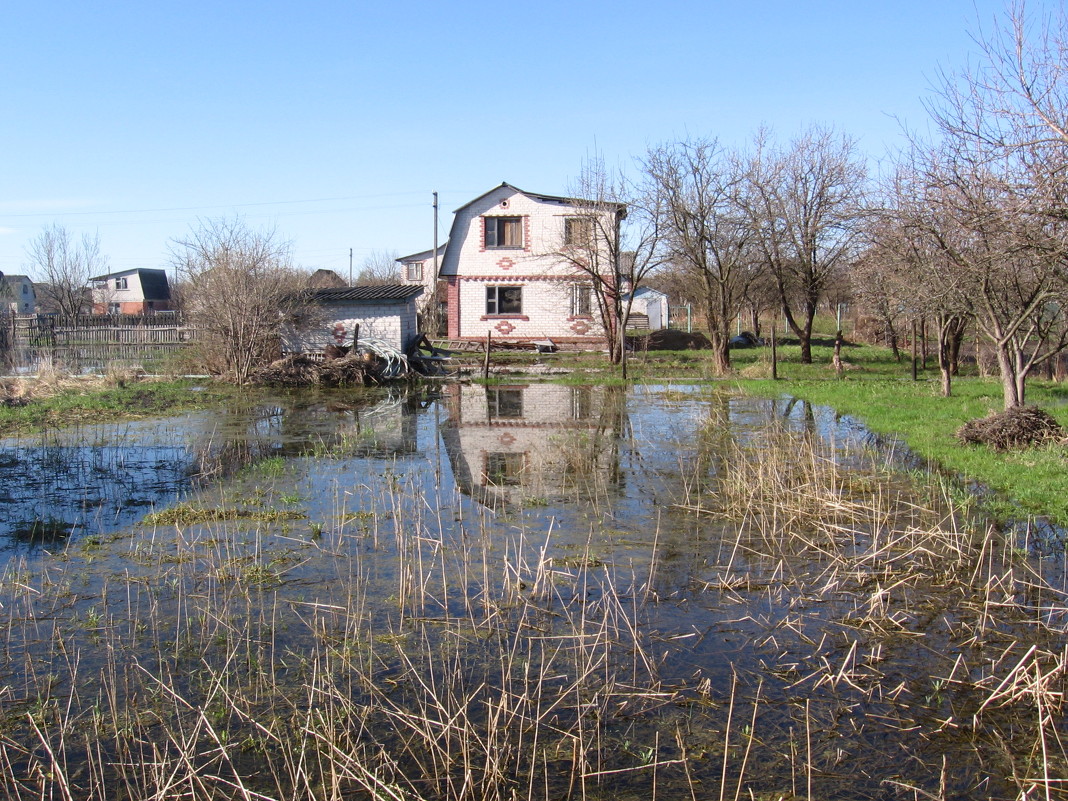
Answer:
(514, 443)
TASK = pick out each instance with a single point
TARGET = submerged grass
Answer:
(185, 514)
(74, 400)
(1031, 481)
(785, 628)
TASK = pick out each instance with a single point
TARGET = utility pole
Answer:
(434, 285)
(350, 266)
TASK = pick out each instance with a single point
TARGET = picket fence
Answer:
(87, 342)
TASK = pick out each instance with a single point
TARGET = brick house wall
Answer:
(536, 266)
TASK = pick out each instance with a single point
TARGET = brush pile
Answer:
(670, 339)
(373, 362)
(1018, 427)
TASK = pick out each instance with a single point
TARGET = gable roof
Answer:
(563, 201)
(423, 255)
(323, 278)
(382, 293)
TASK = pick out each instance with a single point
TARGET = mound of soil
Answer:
(1018, 427)
(672, 339)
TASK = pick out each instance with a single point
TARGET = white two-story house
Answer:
(514, 266)
(135, 291)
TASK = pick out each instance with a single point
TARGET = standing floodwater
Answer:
(513, 591)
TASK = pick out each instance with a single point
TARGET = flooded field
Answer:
(515, 592)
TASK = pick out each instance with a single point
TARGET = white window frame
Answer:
(494, 229)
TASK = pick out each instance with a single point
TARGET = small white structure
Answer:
(17, 294)
(653, 304)
(386, 312)
(510, 266)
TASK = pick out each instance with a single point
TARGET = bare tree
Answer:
(613, 241)
(904, 274)
(998, 189)
(380, 267)
(1008, 262)
(805, 204)
(64, 266)
(706, 229)
(240, 292)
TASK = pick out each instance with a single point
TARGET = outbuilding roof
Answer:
(381, 293)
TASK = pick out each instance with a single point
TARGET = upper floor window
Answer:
(504, 403)
(504, 300)
(504, 232)
(121, 283)
(415, 271)
(578, 231)
(25, 289)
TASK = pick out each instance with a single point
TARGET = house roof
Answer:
(423, 255)
(323, 278)
(383, 293)
(566, 201)
(648, 290)
(14, 277)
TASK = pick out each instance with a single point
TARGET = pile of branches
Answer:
(302, 370)
(670, 339)
(1018, 427)
(373, 362)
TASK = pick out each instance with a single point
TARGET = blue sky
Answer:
(335, 121)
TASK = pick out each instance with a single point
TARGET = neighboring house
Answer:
(419, 269)
(651, 304)
(510, 272)
(325, 279)
(17, 294)
(137, 291)
(386, 312)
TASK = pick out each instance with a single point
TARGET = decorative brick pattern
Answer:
(546, 277)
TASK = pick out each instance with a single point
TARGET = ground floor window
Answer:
(504, 300)
(581, 300)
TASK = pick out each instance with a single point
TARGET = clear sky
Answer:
(335, 121)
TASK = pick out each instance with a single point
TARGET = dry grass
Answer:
(417, 647)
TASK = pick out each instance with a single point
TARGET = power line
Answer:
(221, 206)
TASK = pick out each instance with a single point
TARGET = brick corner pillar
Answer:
(453, 306)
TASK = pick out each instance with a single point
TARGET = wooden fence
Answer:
(89, 342)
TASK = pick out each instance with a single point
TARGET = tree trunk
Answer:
(1011, 384)
(721, 353)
